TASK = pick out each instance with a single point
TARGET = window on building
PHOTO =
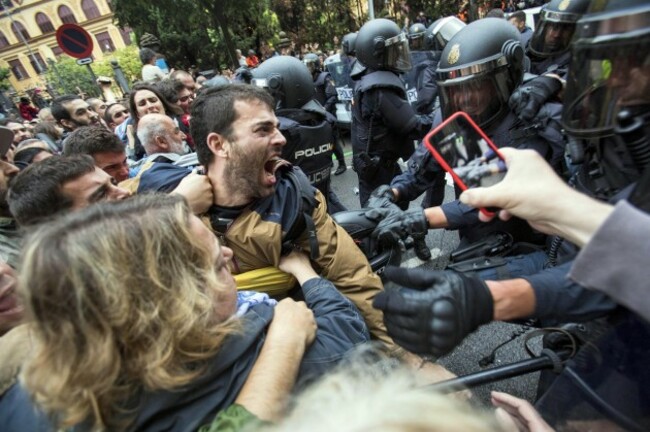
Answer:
(57, 51)
(126, 35)
(3, 41)
(90, 9)
(18, 30)
(18, 69)
(66, 15)
(41, 67)
(105, 42)
(44, 23)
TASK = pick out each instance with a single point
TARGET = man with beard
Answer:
(163, 141)
(20, 132)
(71, 112)
(258, 202)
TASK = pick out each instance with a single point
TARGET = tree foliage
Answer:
(206, 32)
(127, 58)
(4, 79)
(67, 77)
(190, 32)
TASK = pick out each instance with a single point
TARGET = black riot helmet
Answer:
(313, 63)
(441, 31)
(610, 68)
(381, 45)
(416, 36)
(479, 78)
(347, 44)
(287, 79)
(556, 25)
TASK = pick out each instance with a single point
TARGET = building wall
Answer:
(25, 13)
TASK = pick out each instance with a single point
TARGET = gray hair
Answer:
(148, 130)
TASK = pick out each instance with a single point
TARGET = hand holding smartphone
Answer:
(466, 153)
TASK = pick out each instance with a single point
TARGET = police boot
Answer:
(341, 169)
(420, 245)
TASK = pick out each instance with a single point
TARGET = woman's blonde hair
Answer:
(123, 298)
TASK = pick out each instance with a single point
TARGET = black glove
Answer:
(436, 311)
(395, 225)
(382, 197)
(527, 99)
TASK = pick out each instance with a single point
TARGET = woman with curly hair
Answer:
(138, 325)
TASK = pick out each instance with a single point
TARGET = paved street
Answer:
(465, 358)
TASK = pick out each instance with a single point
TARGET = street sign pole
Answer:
(77, 43)
(94, 80)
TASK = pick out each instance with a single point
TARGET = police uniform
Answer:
(326, 95)
(325, 91)
(415, 79)
(309, 135)
(383, 127)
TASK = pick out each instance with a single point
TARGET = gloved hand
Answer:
(382, 197)
(435, 311)
(396, 225)
(527, 99)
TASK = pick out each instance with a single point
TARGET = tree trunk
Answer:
(221, 22)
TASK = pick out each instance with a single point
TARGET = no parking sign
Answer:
(74, 41)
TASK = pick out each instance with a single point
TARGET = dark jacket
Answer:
(383, 122)
(255, 234)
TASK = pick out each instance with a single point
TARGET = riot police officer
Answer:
(325, 89)
(349, 55)
(383, 122)
(304, 122)
(607, 112)
(435, 39)
(548, 49)
(421, 59)
(326, 96)
(478, 79)
(549, 56)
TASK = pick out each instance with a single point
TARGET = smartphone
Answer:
(466, 153)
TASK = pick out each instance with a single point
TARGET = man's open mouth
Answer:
(272, 165)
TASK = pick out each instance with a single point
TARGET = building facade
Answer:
(28, 41)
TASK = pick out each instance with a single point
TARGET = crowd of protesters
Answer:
(126, 225)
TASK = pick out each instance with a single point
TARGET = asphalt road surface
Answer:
(464, 359)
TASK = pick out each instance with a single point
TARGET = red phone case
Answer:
(441, 160)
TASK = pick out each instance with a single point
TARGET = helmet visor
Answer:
(273, 85)
(311, 65)
(484, 98)
(551, 38)
(605, 78)
(397, 56)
